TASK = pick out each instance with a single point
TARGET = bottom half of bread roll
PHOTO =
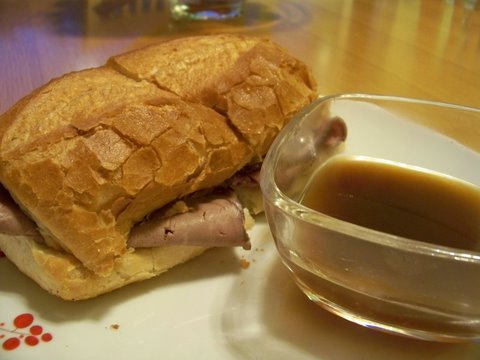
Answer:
(63, 275)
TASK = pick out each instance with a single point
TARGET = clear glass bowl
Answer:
(376, 279)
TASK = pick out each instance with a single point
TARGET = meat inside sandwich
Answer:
(110, 166)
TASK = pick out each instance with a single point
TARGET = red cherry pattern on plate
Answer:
(12, 338)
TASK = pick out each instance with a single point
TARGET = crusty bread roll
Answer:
(91, 153)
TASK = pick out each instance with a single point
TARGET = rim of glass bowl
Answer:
(281, 200)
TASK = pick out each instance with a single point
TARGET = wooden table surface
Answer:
(428, 49)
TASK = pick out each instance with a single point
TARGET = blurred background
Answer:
(420, 48)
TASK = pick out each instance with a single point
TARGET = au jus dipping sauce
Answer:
(398, 199)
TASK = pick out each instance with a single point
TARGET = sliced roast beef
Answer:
(13, 220)
(250, 179)
(213, 220)
(210, 220)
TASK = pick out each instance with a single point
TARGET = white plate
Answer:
(209, 308)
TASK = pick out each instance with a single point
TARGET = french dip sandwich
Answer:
(115, 174)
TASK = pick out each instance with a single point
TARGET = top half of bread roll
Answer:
(93, 152)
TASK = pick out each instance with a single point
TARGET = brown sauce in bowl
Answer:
(399, 200)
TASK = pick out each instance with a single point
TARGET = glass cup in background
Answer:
(206, 9)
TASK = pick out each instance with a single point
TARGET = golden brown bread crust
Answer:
(92, 152)
(252, 81)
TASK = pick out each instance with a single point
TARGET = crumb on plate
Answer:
(244, 263)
